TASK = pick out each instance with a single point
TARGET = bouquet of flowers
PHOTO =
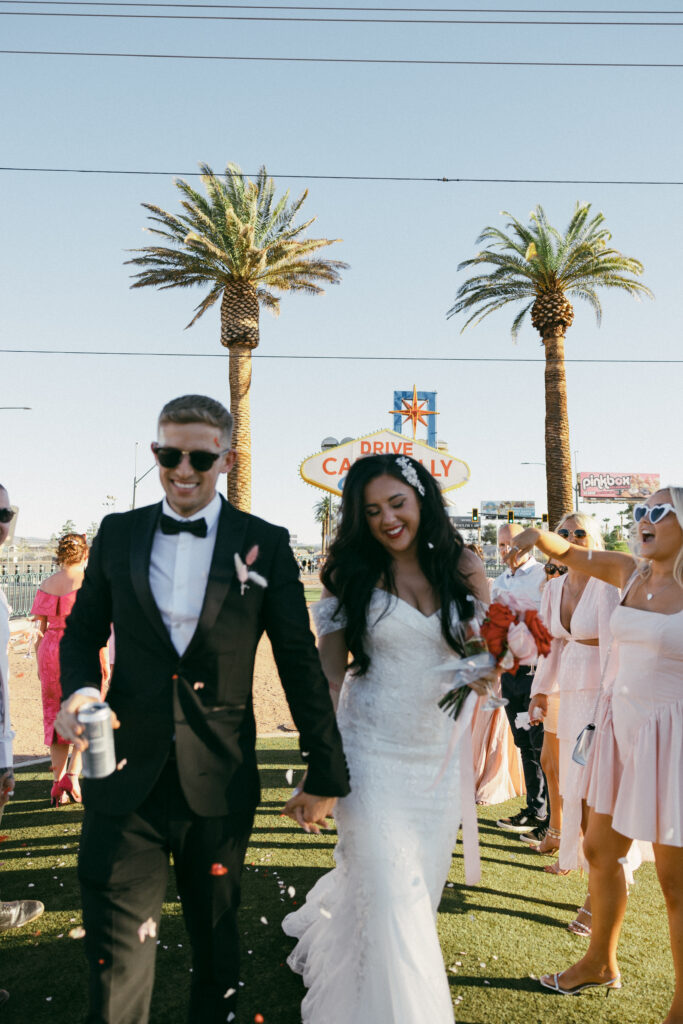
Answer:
(512, 634)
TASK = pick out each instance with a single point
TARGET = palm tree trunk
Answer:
(239, 479)
(557, 448)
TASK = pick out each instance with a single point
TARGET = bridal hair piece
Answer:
(409, 474)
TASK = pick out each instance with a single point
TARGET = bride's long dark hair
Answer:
(357, 563)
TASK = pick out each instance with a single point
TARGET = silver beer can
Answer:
(99, 757)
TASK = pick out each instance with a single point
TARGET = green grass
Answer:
(513, 923)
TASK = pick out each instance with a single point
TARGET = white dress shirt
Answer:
(178, 573)
(524, 582)
(6, 733)
(179, 570)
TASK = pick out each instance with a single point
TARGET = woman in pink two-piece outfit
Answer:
(635, 767)
(576, 609)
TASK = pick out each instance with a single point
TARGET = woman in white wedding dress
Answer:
(397, 583)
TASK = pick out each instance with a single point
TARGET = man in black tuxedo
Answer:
(186, 630)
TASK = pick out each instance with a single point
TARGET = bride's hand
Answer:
(484, 684)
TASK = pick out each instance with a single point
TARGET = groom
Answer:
(186, 631)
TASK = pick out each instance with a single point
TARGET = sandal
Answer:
(577, 927)
(555, 869)
(550, 843)
(552, 982)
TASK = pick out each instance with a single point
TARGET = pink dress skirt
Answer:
(635, 769)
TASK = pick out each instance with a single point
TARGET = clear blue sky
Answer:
(64, 285)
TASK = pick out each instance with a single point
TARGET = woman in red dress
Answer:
(52, 606)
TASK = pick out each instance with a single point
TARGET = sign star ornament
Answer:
(414, 411)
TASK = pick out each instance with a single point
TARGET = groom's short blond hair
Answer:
(198, 409)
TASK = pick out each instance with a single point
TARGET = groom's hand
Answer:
(309, 811)
(67, 724)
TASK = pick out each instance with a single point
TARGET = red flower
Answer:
(495, 627)
(538, 630)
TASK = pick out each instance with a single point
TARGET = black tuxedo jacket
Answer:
(153, 688)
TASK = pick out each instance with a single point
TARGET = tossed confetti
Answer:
(230, 992)
(325, 913)
(289, 775)
(291, 891)
(264, 920)
(122, 764)
(218, 869)
(198, 686)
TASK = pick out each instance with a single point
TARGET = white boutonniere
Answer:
(244, 573)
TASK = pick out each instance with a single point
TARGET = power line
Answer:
(342, 60)
(337, 358)
(349, 177)
(307, 7)
(334, 21)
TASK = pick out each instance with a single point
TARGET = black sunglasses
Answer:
(550, 570)
(6, 515)
(200, 460)
(579, 534)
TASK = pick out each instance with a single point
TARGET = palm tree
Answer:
(539, 266)
(326, 513)
(242, 243)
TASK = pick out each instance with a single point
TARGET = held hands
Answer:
(67, 724)
(309, 811)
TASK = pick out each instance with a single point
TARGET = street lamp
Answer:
(136, 478)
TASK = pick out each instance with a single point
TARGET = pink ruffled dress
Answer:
(635, 768)
(56, 610)
(574, 669)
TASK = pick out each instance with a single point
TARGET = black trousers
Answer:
(517, 690)
(123, 870)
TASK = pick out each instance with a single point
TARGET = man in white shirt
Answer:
(524, 582)
(190, 585)
(16, 913)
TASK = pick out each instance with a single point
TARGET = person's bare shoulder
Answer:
(472, 569)
(58, 584)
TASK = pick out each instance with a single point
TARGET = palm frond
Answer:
(237, 229)
(534, 259)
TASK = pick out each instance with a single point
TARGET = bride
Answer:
(397, 583)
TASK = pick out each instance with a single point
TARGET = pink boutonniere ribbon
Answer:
(244, 573)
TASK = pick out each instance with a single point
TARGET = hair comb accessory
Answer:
(409, 474)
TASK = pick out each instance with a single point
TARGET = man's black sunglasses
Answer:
(200, 460)
(6, 515)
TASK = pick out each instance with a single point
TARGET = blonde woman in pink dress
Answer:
(576, 609)
(52, 606)
(635, 767)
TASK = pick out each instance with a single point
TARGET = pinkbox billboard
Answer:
(617, 486)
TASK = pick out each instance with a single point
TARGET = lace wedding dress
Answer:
(368, 948)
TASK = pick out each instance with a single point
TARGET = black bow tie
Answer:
(195, 526)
